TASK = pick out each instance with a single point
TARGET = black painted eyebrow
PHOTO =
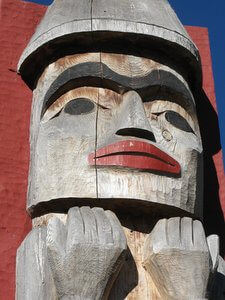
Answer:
(99, 75)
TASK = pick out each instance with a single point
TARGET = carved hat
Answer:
(70, 25)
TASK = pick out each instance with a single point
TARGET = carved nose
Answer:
(132, 119)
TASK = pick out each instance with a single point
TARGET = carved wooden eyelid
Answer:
(57, 113)
(189, 130)
(79, 106)
(95, 103)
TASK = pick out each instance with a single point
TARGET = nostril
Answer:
(137, 132)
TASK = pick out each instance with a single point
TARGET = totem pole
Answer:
(115, 180)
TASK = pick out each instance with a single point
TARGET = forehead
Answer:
(123, 64)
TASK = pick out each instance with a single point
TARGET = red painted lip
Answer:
(136, 155)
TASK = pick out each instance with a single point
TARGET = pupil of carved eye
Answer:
(79, 106)
(178, 121)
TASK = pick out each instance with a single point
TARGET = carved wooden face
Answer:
(114, 126)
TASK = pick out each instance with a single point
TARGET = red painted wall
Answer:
(18, 21)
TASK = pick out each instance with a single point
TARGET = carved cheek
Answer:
(79, 126)
(182, 146)
(69, 125)
(105, 124)
(68, 138)
(185, 141)
(167, 135)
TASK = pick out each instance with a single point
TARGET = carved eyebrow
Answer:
(100, 75)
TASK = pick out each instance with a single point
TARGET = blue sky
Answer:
(207, 14)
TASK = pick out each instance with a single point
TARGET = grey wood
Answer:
(86, 253)
(62, 17)
(149, 17)
(213, 244)
(177, 257)
(56, 169)
(66, 18)
(130, 116)
(61, 142)
(34, 280)
(96, 89)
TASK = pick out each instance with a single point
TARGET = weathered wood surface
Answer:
(88, 102)
(66, 19)
(118, 131)
(158, 111)
(56, 23)
(74, 256)
(60, 146)
(218, 282)
(126, 119)
(70, 259)
(86, 254)
(133, 282)
(177, 256)
(34, 279)
(178, 260)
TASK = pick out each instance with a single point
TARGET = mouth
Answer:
(135, 155)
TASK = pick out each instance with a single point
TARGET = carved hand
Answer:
(86, 254)
(177, 256)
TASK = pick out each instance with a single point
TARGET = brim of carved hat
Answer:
(77, 26)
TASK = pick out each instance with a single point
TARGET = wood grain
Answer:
(177, 257)
(119, 115)
(136, 17)
(60, 145)
(33, 275)
(138, 105)
(130, 118)
(86, 253)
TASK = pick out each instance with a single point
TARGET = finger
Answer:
(214, 245)
(173, 232)
(118, 234)
(199, 238)
(104, 229)
(90, 226)
(56, 236)
(75, 227)
(158, 236)
(187, 233)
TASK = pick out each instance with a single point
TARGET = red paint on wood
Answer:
(136, 155)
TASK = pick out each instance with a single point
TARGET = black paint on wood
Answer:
(178, 121)
(79, 106)
(97, 74)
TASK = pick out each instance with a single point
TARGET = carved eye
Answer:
(178, 121)
(80, 106)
